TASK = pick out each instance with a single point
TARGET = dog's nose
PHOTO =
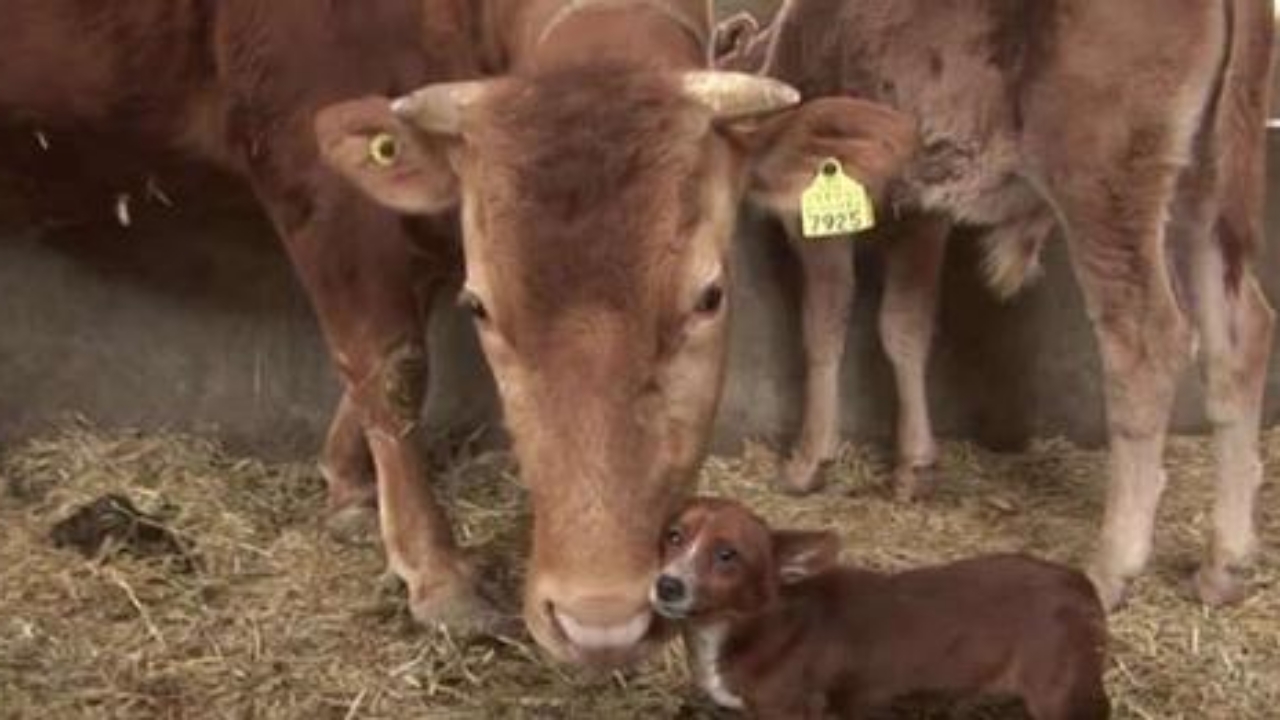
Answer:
(670, 589)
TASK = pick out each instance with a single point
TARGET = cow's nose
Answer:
(603, 627)
(599, 627)
(670, 589)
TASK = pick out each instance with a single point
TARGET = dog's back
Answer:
(1006, 625)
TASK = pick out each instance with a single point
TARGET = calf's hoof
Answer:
(914, 483)
(801, 476)
(1218, 587)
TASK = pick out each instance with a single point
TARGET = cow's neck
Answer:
(546, 35)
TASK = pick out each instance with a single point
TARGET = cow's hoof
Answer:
(353, 524)
(460, 607)
(1218, 587)
(801, 476)
(1112, 589)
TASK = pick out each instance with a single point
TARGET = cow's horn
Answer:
(440, 108)
(734, 95)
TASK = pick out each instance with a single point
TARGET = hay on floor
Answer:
(280, 620)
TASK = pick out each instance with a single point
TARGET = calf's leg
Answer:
(1114, 212)
(1236, 326)
(827, 298)
(913, 260)
(1218, 215)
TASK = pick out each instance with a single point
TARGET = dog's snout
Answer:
(670, 589)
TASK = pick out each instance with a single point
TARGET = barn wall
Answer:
(190, 319)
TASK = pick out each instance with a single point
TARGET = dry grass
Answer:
(282, 621)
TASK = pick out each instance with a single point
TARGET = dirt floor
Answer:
(273, 618)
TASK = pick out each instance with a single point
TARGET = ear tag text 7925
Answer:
(835, 204)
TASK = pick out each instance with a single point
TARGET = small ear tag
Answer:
(835, 204)
(384, 150)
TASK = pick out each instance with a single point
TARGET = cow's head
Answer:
(597, 208)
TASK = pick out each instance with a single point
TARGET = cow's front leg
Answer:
(416, 533)
(828, 288)
(347, 467)
(913, 264)
(369, 290)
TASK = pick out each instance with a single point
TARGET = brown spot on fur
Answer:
(593, 151)
(943, 161)
(404, 381)
(1020, 41)
(936, 64)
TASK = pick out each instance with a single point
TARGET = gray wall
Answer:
(190, 319)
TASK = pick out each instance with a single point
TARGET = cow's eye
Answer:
(710, 300)
(472, 303)
(675, 538)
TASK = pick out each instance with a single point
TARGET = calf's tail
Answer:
(1240, 131)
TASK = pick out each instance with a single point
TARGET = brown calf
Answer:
(1135, 128)
(774, 628)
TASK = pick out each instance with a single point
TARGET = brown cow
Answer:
(1138, 129)
(236, 84)
(600, 179)
(598, 185)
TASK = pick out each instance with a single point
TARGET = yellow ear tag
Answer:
(835, 204)
(383, 149)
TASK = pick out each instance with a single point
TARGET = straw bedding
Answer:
(275, 618)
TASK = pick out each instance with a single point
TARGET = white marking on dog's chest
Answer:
(705, 644)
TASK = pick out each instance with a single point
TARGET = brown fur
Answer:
(235, 84)
(846, 642)
(1027, 129)
(1244, 99)
(595, 173)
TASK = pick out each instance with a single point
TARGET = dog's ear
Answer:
(800, 554)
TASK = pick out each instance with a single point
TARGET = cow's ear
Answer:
(800, 555)
(390, 161)
(873, 142)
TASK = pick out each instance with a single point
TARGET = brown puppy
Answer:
(773, 626)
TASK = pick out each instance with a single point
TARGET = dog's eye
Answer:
(675, 538)
(726, 555)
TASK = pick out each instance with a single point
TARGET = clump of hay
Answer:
(281, 620)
